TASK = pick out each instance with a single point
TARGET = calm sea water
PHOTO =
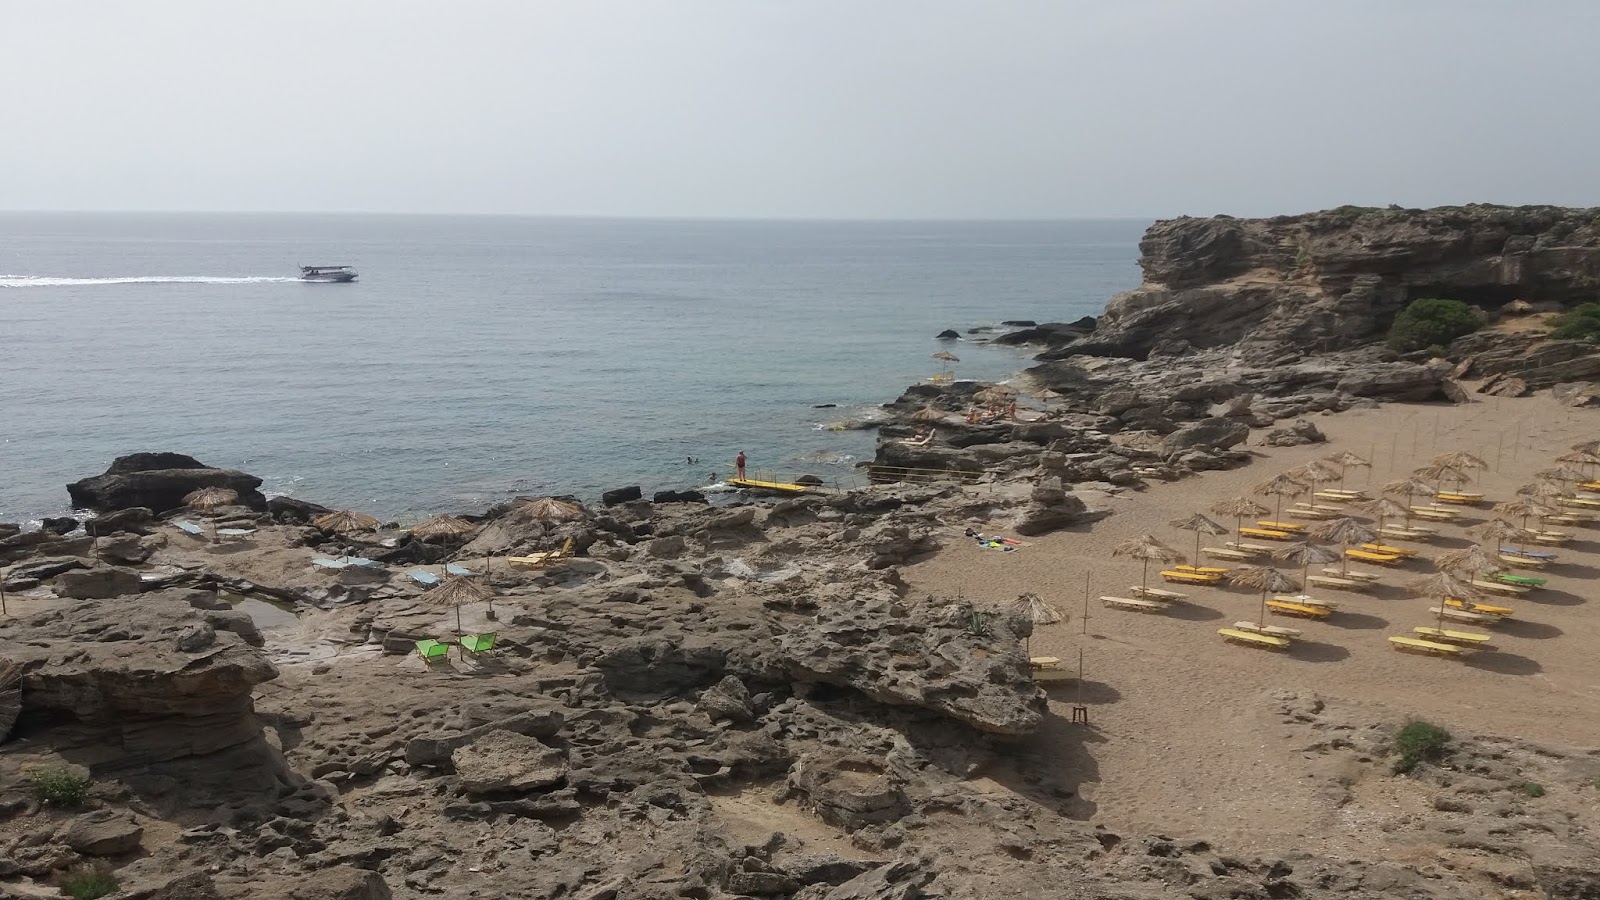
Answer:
(482, 357)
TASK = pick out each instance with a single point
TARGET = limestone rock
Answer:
(727, 699)
(133, 520)
(1217, 433)
(159, 481)
(104, 832)
(1298, 433)
(503, 761)
(850, 792)
(99, 584)
(123, 549)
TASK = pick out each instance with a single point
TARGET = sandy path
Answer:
(1185, 738)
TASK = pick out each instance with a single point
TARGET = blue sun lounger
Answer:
(188, 527)
(234, 532)
(1530, 554)
(329, 563)
(361, 562)
(423, 577)
(454, 569)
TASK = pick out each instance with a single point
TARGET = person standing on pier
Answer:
(738, 463)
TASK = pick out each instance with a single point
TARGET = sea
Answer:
(479, 358)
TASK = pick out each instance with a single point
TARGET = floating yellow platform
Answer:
(780, 487)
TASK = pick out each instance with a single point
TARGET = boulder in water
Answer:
(622, 495)
(160, 481)
(949, 334)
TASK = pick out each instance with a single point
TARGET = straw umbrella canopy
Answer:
(1146, 548)
(1561, 473)
(1496, 530)
(1526, 507)
(1314, 473)
(1266, 578)
(1409, 488)
(1543, 490)
(1345, 460)
(1462, 462)
(1384, 508)
(1443, 587)
(927, 414)
(345, 521)
(1280, 486)
(1585, 458)
(995, 394)
(443, 528)
(1306, 553)
(1036, 611)
(1344, 531)
(1199, 524)
(1441, 472)
(1469, 561)
(458, 591)
(1587, 446)
(1238, 508)
(946, 356)
(210, 499)
(546, 509)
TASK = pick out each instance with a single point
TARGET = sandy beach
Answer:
(1186, 735)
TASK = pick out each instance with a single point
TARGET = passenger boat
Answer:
(331, 274)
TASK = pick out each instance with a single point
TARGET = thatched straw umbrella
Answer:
(1587, 446)
(1267, 579)
(1280, 486)
(210, 499)
(1526, 507)
(1314, 473)
(1035, 610)
(996, 395)
(1306, 553)
(945, 358)
(457, 591)
(1470, 561)
(546, 509)
(1568, 474)
(1409, 488)
(1443, 587)
(1345, 460)
(443, 528)
(1585, 458)
(1439, 473)
(1384, 508)
(1344, 531)
(1198, 524)
(1238, 508)
(345, 521)
(1146, 548)
(1496, 530)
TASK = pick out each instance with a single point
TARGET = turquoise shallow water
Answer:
(481, 357)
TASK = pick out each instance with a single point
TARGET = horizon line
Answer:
(603, 216)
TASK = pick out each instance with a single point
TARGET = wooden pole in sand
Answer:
(1394, 449)
(1500, 448)
(1085, 605)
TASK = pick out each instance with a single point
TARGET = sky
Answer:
(797, 108)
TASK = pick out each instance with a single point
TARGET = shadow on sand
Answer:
(1524, 629)
(1049, 766)
(1358, 621)
(1503, 663)
(1318, 652)
(1193, 612)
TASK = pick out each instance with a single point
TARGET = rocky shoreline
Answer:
(731, 701)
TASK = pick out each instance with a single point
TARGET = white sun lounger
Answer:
(1146, 606)
(188, 527)
(1151, 593)
(423, 577)
(1339, 584)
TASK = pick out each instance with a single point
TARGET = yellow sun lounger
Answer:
(1499, 587)
(1151, 593)
(1551, 538)
(1190, 577)
(1203, 570)
(1446, 636)
(1044, 662)
(1299, 610)
(1465, 615)
(1578, 502)
(1145, 606)
(1339, 584)
(1522, 562)
(1265, 641)
(1227, 553)
(1334, 497)
(1459, 499)
(1266, 534)
(1418, 645)
(1307, 600)
(1382, 559)
(1391, 551)
(1268, 630)
(1502, 611)
(541, 560)
(1290, 527)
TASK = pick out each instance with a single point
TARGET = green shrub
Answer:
(1431, 321)
(1533, 789)
(89, 881)
(1417, 742)
(59, 787)
(1581, 323)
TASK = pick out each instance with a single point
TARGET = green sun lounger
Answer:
(1525, 580)
(431, 650)
(478, 643)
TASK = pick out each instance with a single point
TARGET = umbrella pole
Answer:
(1263, 620)
(1344, 558)
(1197, 548)
(1144, 578)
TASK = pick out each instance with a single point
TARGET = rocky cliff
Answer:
(1335, 279)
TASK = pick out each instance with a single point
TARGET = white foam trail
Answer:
(49, 281)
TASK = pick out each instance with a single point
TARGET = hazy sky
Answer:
(812, 108)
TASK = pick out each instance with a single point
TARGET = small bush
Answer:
(1581, 323)
(1418, 742)
(89, 881)
(59, 787)
(1533, 789)
(1431, 321)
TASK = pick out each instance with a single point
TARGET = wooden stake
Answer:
(1085, 605)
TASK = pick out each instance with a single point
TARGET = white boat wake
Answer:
(51, 281)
